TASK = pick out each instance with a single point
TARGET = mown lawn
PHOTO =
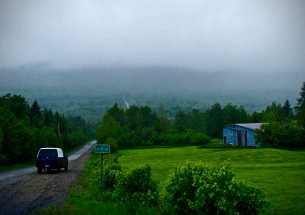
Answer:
(279, 173)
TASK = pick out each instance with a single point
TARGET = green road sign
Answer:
(102, 148)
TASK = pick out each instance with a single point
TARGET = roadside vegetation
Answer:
(277, 173)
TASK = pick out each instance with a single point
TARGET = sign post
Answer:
(102, 149)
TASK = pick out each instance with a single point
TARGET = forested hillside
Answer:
(142, 126)
(25, 128)
(91, 91)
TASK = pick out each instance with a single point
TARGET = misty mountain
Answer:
(148, 85)
(150, 80)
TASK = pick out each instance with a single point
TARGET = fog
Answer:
(81, 56)
(201, 35)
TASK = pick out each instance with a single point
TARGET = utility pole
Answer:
(58, 130)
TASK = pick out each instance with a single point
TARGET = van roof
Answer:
(59, 151)
(51, 148)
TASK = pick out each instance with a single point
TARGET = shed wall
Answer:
(230, 136)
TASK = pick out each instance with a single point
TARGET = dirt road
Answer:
(21, 191)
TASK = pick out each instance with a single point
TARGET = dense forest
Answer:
(25, 128)
(141, 126)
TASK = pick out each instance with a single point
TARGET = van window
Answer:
(60, 153)
(50, 153)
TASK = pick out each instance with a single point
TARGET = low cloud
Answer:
(204, 35)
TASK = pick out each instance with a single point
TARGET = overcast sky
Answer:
(206, 35)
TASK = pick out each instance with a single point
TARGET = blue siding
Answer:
(251, 140)
(239, 136)
(230, 136)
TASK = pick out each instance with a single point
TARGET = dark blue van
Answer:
(51, 159)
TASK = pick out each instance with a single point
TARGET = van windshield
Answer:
(50, 153)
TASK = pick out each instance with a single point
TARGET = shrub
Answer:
(281, 135)
(199, 139)
(110, 168)
(138, 187)
(194, 189)
(188, 137)
(110, 173)
(180, 190)
(178, 139)
(110, 159)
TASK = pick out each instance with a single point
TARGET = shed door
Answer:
(242, 138)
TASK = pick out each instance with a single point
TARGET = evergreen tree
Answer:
(215, 120)
(287, 109)
(274, 113)
(117, 113)
(48, 117)
(300, 108)
(234, 114)
(180, 120)
(256, 117)
(34, 112)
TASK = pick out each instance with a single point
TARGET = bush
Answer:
(110, 159)
(110, 168)
(180, 191)
(188, 137)
(110, 173)
(191, 189)
(199, 139)
(281, 135)
(137, 187)
(194, 189)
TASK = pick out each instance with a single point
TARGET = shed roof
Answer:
(253, 126)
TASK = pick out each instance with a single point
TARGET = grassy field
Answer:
(279, 173)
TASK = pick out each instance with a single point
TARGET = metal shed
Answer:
(241, 134)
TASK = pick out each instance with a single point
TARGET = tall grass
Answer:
(85, 197)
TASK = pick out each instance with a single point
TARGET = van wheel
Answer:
(66, 168)
(39, 170)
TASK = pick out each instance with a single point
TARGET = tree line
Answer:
(25, 128)
(286, 125)
(141, 126)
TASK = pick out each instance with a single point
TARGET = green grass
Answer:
(279, 173)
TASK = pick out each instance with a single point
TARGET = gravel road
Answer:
(21, 191)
